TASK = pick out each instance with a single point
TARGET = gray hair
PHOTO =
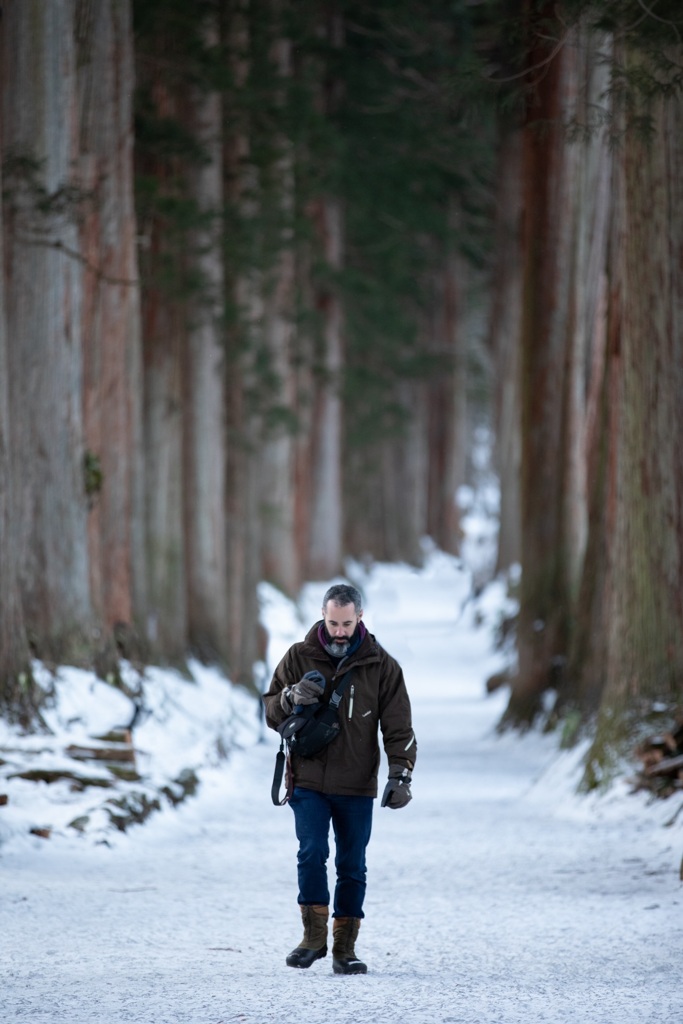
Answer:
(342, 594)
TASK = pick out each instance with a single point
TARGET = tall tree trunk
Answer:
(281, 563)
(244, 522)
(204, 389)
(406, 478)
(163, 433)
(16, 689)
(547, 324)
(244, 413)
(644, 597)
(586, 353)
(505, 341)
(325, 547)
(326, 541)
(112, 364)
(44, 299)
(592, 402)
(164, 259)
(446, 405)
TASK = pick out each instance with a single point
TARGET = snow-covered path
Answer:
(492, 898)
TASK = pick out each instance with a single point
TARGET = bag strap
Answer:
(280, 762)
(338, 692)
(281, 759)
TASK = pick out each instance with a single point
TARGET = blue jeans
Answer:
(351, 818)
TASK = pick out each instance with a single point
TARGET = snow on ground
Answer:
(496, 897)
(182, 724)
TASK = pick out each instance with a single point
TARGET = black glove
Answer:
(397, 790)
(308, 690)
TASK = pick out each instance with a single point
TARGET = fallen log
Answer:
(116, 736)
(122, 753)
(49, 776)
(44, 833)
(667, 766)
(661, 758)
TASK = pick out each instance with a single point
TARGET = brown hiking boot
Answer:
(344, 959)
(314, 943)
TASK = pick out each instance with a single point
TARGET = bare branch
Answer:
(55, 243)
(663, 21)
(528, 71)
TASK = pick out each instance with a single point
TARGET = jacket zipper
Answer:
(352, 691)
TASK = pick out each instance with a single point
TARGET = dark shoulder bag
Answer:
(307, 731)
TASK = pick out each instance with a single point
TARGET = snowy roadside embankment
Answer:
(90, 774)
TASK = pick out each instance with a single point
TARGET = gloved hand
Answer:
(397, 790)
(308, 690)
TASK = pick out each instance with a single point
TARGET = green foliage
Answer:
(93, 476)
(414, 143)
(394, 115)
(570, 728)
(174, 55)
(639, 41)
(24, 193)
(391, 116)
(22, 698)
(652, 25)
(392, 112)
(619, 732)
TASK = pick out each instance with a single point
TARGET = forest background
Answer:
(269, 265)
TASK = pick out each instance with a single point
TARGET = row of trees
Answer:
(245, 244)
(232, 328)
(598, 338)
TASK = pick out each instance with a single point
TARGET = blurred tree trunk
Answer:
(244, 411)
(165, 548)
(204, 375)
(16, 690)
(592, 162)
(504, 340)
(309, 380)
(325, 541)
(281, 563)
(592, 403)
(163, 341)
(112, 364)
(44, 296)
(548, 320)
(643, 594)
(406, 478)
(446, 405)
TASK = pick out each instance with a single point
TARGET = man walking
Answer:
(338, 785)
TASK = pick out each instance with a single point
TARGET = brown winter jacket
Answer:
(375, 698)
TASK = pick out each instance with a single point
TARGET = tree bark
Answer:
(281, 563)
(204, 373)
(166, 625)
(325, 546)
(245, 342)
(592, 404)
(505, 342)
(17, 697)
(446, 405)
(112, 361)
(547, 325)
(644, 594)
(44, 303)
